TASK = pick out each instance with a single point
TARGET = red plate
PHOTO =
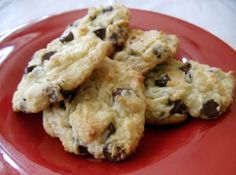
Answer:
(195, 147)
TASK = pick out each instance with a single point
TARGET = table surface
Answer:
(215, 16)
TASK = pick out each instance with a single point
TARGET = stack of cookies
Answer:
(101, 81)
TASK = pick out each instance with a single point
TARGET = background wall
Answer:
(215, 16)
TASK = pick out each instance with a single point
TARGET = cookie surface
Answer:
(175, 90)
(104, 117)
(61, 66)
(68, 61)
(145, 49)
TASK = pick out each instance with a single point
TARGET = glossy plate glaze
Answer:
(195, 147)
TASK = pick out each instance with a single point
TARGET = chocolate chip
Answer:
(109, 131)
(112, 129)
(29, 69)
(107, 9)
(53, 97)
(210, 109)
(186, 67)
(67, 38)
(158, 51)
(101, 33)
(116, 92)
(107, 154)
(83, 150)
(115, 155)
(162, 81)
(118, 47)
(179, 108)
(48, 55)
(62, 105)
(68, 95)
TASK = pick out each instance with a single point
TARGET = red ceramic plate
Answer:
(195, 147)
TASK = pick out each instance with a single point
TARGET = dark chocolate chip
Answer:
(186, 67)
(158, 51)
(67, 38)
(107, 9)
(62, 105)
(109, 131)
(117, 152)
(107, 154)
(179, 108)
(83, 150)
(118, 47)
(68, 95)
(112, 129)
(48, 55)
(29, 69)
(101, 33)
(53, 97)
(116, 92)
(210, 109)
(162, 81)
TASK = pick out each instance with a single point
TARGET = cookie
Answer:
(212, 91)
(145, 49)
(176, 90)
(61, 66)
(104, 117)
(110, 23)
(69, 60)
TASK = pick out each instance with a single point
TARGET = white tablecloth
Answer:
(215, 16)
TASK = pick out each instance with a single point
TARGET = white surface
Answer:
(215, 16)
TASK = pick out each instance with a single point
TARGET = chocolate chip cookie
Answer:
(69, 60)
(176, 90)
(63, 65)
(104, 117)
(145, 49)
